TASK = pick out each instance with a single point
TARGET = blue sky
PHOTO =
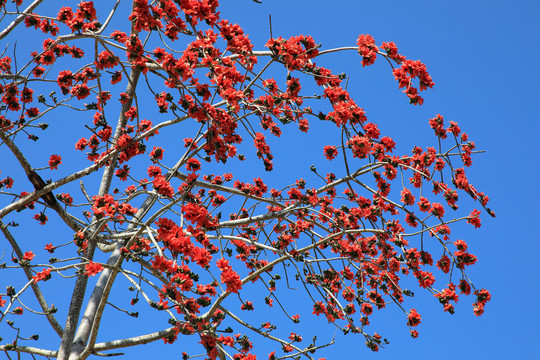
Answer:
(481, 55)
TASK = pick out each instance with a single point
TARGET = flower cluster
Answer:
(367, 49)
(294, 52)
(228, 276)
(93, 268)
(107, 206)
(44, 275)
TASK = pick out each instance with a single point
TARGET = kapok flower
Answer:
(93, 268)
(54, 161)
(44, 275)
(414, 318)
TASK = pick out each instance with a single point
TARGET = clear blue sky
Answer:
(482, 56)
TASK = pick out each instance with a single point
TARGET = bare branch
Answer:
(35, 288)
(19, 18)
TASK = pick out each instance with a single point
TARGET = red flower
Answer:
(124, 98)
(461, 245)
(48, 57)
(65, 14)
(42, 218)
(81, 144)
(372, 131)
(367, 48)
(437, 210)
(123, 141)
(303, 125)
(247, 306)
(81, 91)
(411, 220)
(437, 124)
(154, 171)
(116, 77)
(50, 248)
(439, 164)
(388, 143)
(43, 275)
(7, 182)
(392, 51)
(65, 198)
(444, 264)
(464, 287)
(123, 172)
(412, 94)
(406, 197)
(453, 128)
(119, 36)
(87, 11)
(367, 309)
(193, 165)
(425, 279)
(482, 297)
(38, 71)
(156, 154)
(28, 256)
(54, 161)
(413, 318)
(229, 276)
(5, 64)
(443, 230)
(131, 113)
(27, 95)
(18, 311)
(32, 112)
(318, 308)
(424, 204)
(295, 337)
(162, 186)
(474, 218)
(330, 152)
(464, 259)
(360, 146)
(93, 268)
(190, 143)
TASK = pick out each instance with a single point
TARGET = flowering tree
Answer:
(191, 241)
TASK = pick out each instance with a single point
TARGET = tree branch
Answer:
(137, 340)
(35, 288)
(19, 18)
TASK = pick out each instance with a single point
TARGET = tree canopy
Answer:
(128, 132)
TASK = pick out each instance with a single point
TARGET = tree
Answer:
(169, 226)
